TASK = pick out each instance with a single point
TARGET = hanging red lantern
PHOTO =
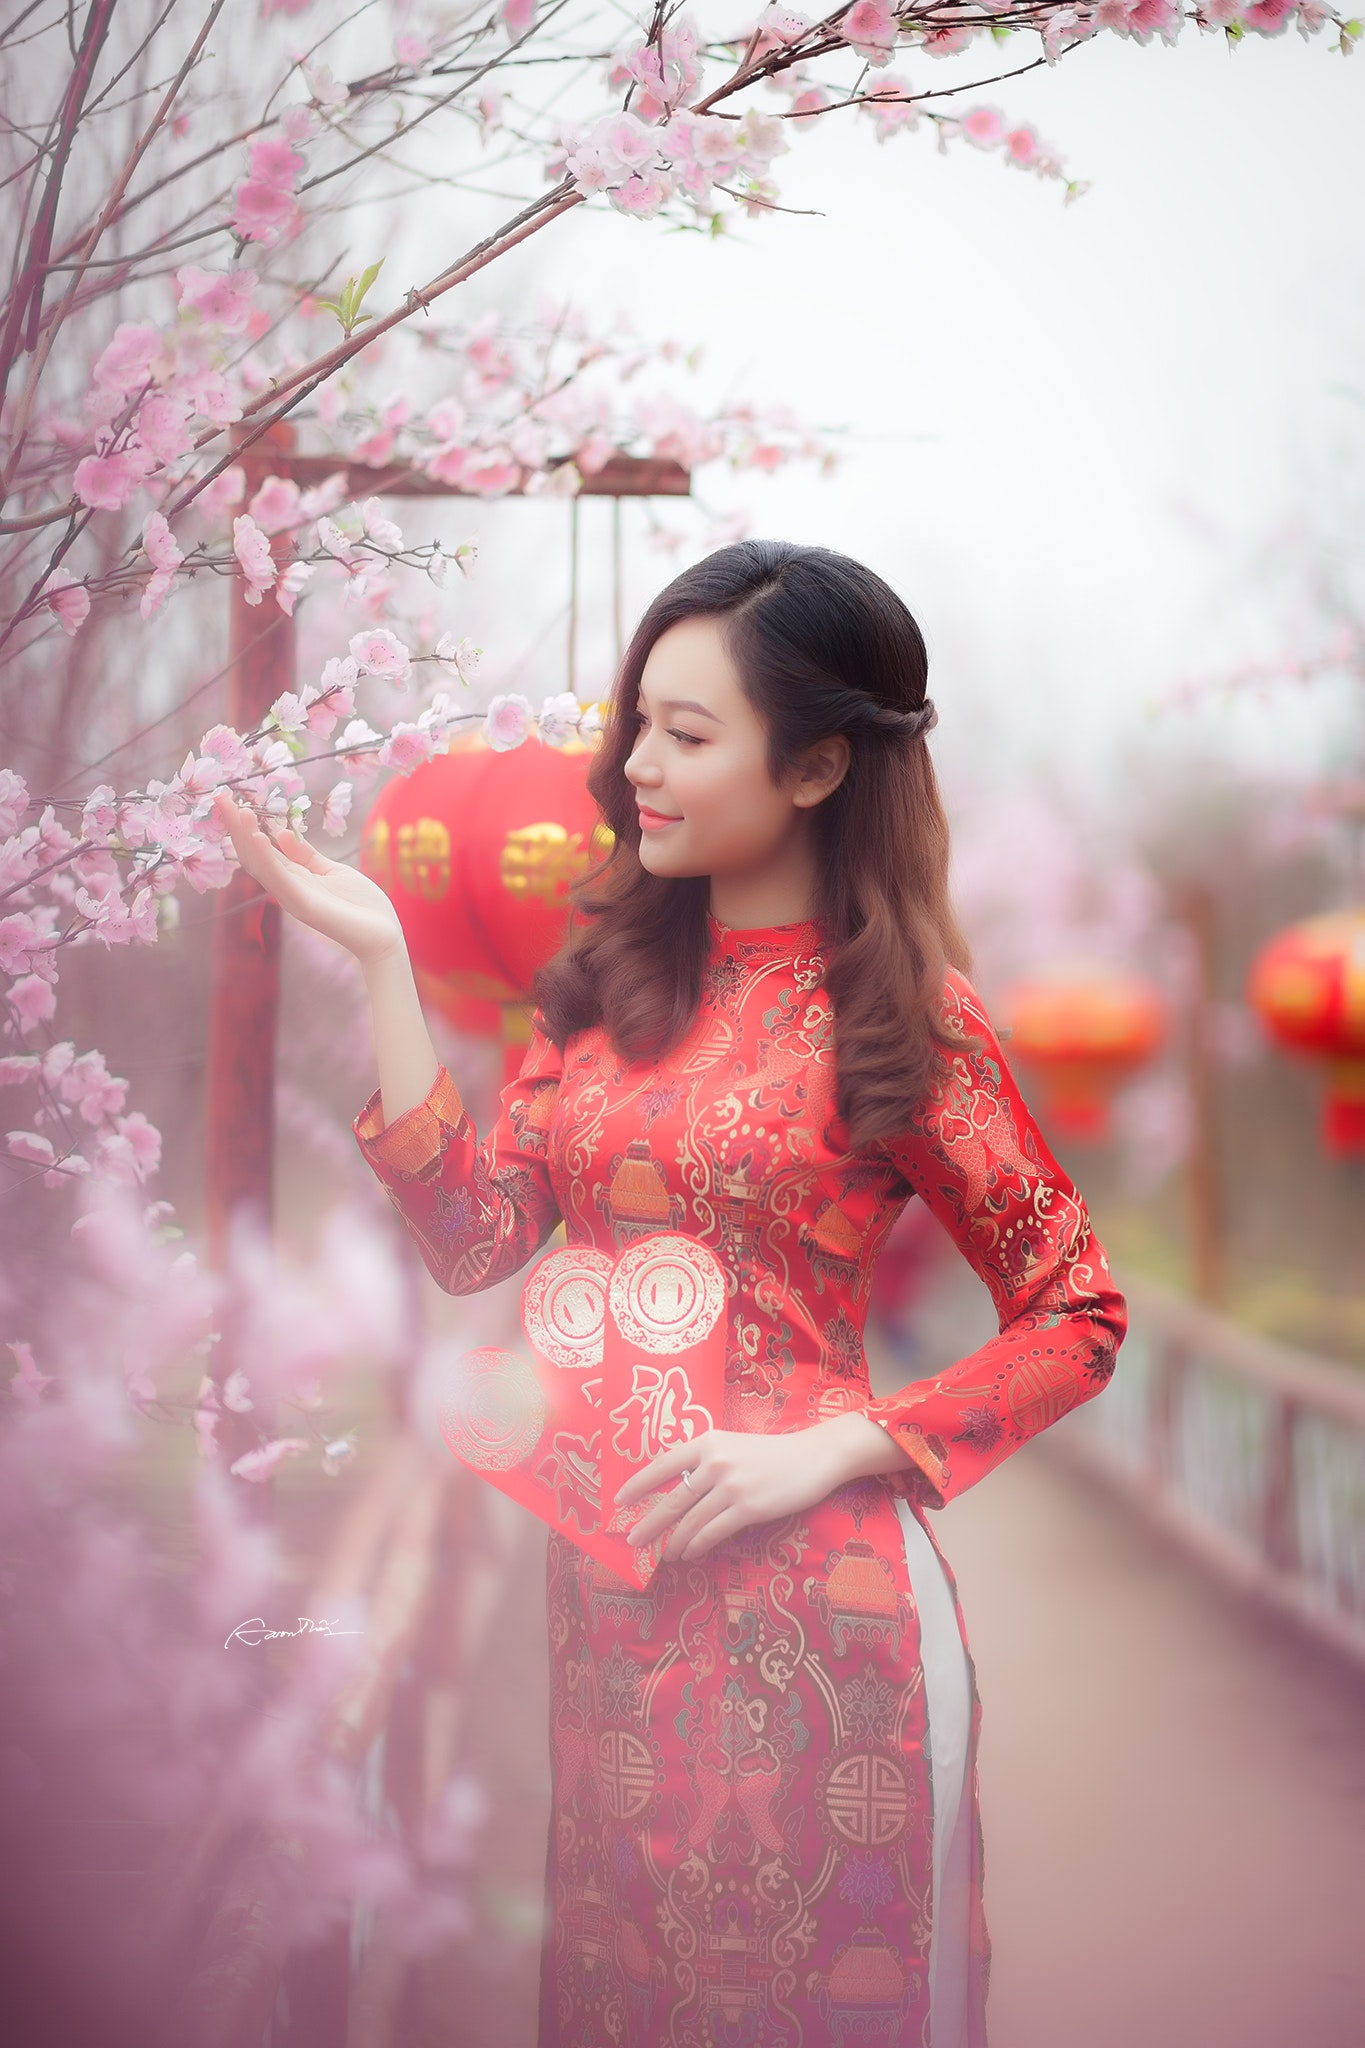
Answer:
(1308, 988)
(1082, 1035)
(477, 850)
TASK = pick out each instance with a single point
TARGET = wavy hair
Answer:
(822, 646)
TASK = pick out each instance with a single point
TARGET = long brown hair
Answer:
(822, 646)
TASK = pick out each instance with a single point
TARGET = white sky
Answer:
(1081, 434)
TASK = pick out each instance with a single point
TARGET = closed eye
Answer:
(692, 739)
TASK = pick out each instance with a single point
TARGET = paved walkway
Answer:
(1173, 1788)
(1173, 1792)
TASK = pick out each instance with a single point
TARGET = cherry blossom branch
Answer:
(41, 348)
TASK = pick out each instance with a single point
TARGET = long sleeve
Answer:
(476, 1212)
(977, 1158)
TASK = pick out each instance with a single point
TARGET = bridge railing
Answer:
(1251, 1453)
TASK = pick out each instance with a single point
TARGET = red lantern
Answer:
(1082, 1035)
(477, 850)
(1308, 987)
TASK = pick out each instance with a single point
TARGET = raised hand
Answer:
(332, 898)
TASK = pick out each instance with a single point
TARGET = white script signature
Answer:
(255, 1630)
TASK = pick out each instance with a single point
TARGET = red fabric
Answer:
(742, 1835)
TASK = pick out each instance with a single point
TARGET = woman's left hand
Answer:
(736, 1479)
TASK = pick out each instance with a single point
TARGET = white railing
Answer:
(1251, 1453)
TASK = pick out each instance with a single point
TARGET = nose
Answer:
(640, 770)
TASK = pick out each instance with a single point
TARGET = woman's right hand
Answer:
(334, 899)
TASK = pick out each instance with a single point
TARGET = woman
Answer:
(764, 1812)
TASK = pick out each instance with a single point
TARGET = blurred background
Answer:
(1113, 456)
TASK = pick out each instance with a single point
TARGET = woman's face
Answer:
(699, 767)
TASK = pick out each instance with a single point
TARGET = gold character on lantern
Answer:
(542, 860)
(424, 858)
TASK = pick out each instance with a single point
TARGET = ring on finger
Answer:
(687, 1482)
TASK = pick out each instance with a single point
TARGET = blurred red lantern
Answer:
(477, 850)
(1308, 988)
(1082, 1035)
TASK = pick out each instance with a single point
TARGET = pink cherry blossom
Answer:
(117, 923)
(227, 747)
(984, 127)
(491, 476)
(761, 138)
(557, 721)
(105, 483)
(779, 25)
(89, 1086)
(220, 298)
(13, 800)
(69, 600)
(642, 195)
(357, 744)
(301, 123)
(199, 775)
(381, 653)
(890, 106)
(324, 86)
(870, 28)
(406, 747)
(1021, 146)
(382, 530)
(506, 723)
(31, 1146)
(291, 585)
(25, 942)
(276, 505)
(377, 448)
(265, 213)
(274, 161)
(126, 363)
(447, 466)
(158, 544)
(336, 808)
(165, 557)
(252, 549)
(516, 16)
(32, 999)
(161, 426)
(140, 1143)
(462, 655)
(945, 41)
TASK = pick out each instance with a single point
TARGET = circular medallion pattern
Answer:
(495, 1415)
(626, 1771)
(867, 1799)
(564, 1306)
(667, 1292)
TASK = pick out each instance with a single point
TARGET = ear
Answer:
(821, 769)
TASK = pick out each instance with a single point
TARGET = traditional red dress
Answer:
(764, 1829)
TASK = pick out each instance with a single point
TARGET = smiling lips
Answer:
(651, 820)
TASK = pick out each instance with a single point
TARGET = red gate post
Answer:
(245, 969)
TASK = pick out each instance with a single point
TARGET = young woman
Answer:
(764, 1811)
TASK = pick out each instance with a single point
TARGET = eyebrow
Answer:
(690, 704)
